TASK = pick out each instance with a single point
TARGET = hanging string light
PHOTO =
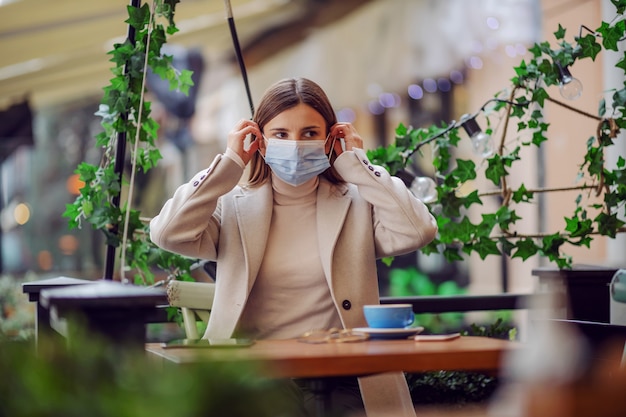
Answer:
(482, 143)
(571, 88)
(424, 189)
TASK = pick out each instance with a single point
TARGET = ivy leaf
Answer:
(185, 81)
(463, 230)
(571, 224)
(525, 248)
(487, 224)
(485, 247)
(561, 262)
(522, 194)
(540, 95)
(452, 254)
(522, 70)
(608, 224)
(577, 228)
(121, 53)
(471, 198)
(619, 98)
(589, 47)
(451, 204)
(465, 170)
(151, 127)
(401, 130)
(611, 35)
(495, 171)
(536, 50)
(622, 63)
(138, 16)
(539, 137)
(154, 155)
(560, 33)
(551, 245)
(518, 111)
(594, 159)
(507, 247)
(506, 217)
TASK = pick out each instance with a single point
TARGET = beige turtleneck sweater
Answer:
(290, 295)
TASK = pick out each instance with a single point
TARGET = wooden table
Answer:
(290, 358)
(294, 359)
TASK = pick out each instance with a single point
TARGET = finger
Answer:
(338, 130)
(338, 147)
(254, 146)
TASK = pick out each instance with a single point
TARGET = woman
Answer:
(296, 246)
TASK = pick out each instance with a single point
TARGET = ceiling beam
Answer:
(316, 14)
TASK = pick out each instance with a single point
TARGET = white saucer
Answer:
(377, 333)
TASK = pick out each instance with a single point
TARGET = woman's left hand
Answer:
(348, 133)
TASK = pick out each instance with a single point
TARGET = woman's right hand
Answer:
(237, 138)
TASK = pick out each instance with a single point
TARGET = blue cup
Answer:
(388, 316)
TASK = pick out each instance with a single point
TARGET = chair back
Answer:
(195, 299)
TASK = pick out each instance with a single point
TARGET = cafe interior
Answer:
(383, 63)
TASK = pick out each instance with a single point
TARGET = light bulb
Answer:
(482, 144)
(424, 189)
(571, 88)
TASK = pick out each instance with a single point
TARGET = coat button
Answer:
(366, 162)
(371, 168)
(346, 304)
(195, 183)
(377, 173)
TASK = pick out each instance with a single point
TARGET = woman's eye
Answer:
(280, 135)
(311, 134)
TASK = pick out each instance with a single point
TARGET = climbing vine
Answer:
(523, 103)
(125, 112)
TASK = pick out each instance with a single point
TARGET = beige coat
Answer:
(372, 216)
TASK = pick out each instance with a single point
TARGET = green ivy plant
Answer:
(523, 104)
(124, 111)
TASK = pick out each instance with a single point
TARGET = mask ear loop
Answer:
(332, 146)
(259, 148)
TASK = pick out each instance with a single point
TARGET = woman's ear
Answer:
(262, 145)
(328, 145)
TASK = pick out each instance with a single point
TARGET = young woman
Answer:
(296, 246)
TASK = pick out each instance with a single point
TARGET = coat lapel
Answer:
(332, 208)
(254, 215)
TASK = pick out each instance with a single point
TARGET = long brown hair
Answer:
(282, 96)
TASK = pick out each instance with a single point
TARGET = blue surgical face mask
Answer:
(296, 161)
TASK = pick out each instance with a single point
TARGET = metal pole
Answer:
(1, 209)
(242, 65)
(120, 155)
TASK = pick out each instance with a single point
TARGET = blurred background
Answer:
(382, 62)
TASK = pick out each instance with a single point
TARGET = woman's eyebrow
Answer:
(282, 129)
(311, 127)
